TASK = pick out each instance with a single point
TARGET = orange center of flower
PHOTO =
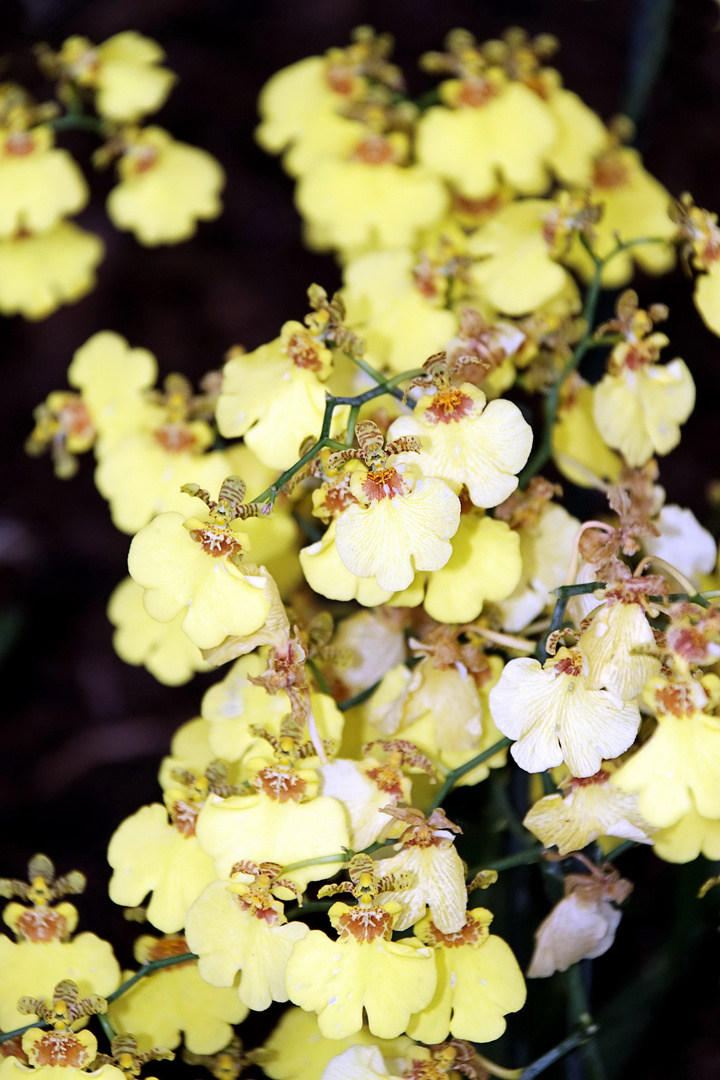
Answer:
(569, 665)
(259, 902)
(387, 778)
(20, 144)
(610, 172)
(141, 159)
(476, 208)
(304, 351)
(449, 405)
(383, 484)
(164, 948)
(337, 495)
(675, 699)
(366, 923)
(174, 437)
(218, 541)
(184, 816)
(340, 79)
(476, 92)
(374, 150)
(282, 785)
(471, 933)
(60, 1048)
(41, 924)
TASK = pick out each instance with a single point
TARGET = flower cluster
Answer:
(444, 606)
(163, 188)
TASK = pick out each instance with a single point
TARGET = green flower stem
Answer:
(106, 1026)
(341, 857)
(563, 592)
(73, 121)
(146, 969)
(358, 699)
(580, 1014)
(319, 677)
(565, 1047)
(373, 373)
(386, 386)
(352, 421)
(457, 774)
(552, 401)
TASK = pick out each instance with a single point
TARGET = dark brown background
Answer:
(82, 733)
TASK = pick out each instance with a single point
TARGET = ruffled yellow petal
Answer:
(129, 84)
(469, 442)
(510, 135)
(148, 854)
(326, 573)
(689, 837)
(608, 642)
(259, 828)
(34, 968)
(162, 648)
(516, 273)
(392, 537)
(229, 940)
(177, 186)
(707, 297)
(557, 717)
(291, 100)
(640, 412)
(579, 450)
(581, 135)
(437, 881)
(300, 1052)
(113, 379)
(40, 271)
(176, 1004)
(39, 184)
(176, 573)
(678, 764)
(478, 983)
(390, 980)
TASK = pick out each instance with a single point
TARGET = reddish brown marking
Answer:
(449, 405)
(75, 419)
(41, 924)
(339, 78)
(303, 351)
(282, 785)
(20, 144)
(184, 817)
(476, 92)
(338, 495)
(610, 172)
(675, 700)
(175, 437)
(383, 484)
(476, 207)
(568, 665)
(13, 1048)
(375, 150)
(470, 934)
(217, 541)
(387, 779)
(144, 158)
(688, 642)
(259, 906)
(164, 948)
(365, 923)
(600, 777)
(60, 1048)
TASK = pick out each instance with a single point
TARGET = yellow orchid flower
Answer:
(479, 981)
(40, 271)
(464, 440)
(39, 184)
(166, 187)
(556, 715)
(175, 1004)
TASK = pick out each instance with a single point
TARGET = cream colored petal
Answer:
(391, 538)
(616, 630)
(574, 930)
(437, 881)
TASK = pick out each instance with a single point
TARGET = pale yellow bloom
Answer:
(123, 71)
(361, 971)
(616, 628)
(479, 981)
(180, 573)
(556, 715)
(690, 836)
(466, 441)
(41, 271)
(326, 573)
(504, 130)
(165, 188)
(590, 808)
(516, 273)
(301, 1052)
(39, 184)
(162, 648)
